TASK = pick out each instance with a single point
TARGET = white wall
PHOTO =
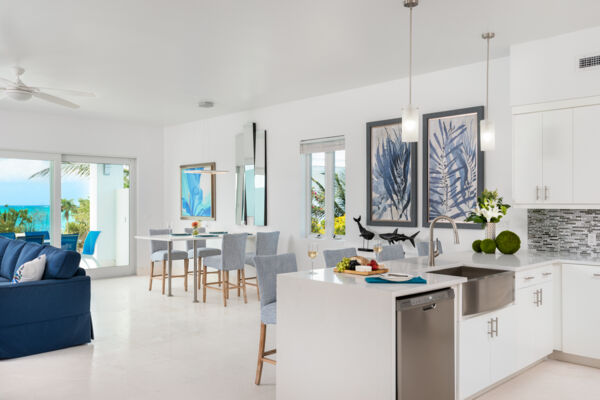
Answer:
(546, 70)
(48, 133)
(343, 113)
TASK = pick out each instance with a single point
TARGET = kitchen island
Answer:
(336, 334)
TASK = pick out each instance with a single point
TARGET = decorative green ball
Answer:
(508, 242)
(477, 246)
(488, 246)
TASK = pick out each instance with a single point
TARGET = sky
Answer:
(17, 189)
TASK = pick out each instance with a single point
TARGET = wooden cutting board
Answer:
(381, 270)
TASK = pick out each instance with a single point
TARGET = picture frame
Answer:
(453, 165)
(194, 202)
(392, 181)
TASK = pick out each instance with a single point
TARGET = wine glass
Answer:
(377, 247)
(313, 251)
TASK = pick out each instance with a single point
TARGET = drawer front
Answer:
(534, 277)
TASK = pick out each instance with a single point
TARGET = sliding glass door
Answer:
(84, 204)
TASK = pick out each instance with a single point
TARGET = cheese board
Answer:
(379, 271)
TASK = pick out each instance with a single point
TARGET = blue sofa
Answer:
(45, 315)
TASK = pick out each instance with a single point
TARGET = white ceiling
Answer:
(153, 60)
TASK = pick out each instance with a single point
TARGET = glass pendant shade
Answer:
(487, 135)
(410, 124)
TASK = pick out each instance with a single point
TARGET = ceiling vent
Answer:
(589, 62)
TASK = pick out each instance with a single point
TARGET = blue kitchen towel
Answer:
(377, 279)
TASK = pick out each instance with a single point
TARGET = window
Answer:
(325, 186)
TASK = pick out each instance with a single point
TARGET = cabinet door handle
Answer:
(596, 275)
(496, 326)
(491, 327)
(528, 278)
(550, 273)
(546, 192)
(536, 294)
(541, 296)
(537, 192)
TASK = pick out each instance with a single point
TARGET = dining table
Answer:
(180, 237)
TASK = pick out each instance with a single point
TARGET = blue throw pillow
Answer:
(9, 260)
(60, 264)
(29, 252)
(3, 245)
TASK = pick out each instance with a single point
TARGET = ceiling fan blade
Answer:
(69, 92)
(8, 82)
(54, 99)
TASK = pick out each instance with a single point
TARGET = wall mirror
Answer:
(251, 176)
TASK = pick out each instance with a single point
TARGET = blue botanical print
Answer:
(453, 166)
(391, 175)
(195, 194)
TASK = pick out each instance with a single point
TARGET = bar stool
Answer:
(266, 245)
(267, 268)
(201, 252)
(332, 257)
(391, 252)
(160, 252)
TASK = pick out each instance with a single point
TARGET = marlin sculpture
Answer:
(397, 237)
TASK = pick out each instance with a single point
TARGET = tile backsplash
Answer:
(563, 230)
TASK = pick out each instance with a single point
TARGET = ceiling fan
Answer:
(21, 92)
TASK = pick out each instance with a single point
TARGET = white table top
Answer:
(171, 238)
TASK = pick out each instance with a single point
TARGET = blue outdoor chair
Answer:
(89, 246)
(45, 234)
(69, 241)
(10, 235)
(39, 239)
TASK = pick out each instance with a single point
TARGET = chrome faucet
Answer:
(433, 250)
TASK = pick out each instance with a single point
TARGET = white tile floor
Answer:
(152, 347)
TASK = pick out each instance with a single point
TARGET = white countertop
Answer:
(521, 261)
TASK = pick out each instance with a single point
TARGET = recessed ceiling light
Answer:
(206, 104)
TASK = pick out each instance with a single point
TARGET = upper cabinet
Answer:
(553, 158)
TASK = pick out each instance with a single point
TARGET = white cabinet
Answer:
(581, 319)
(527, 148)
(586, 142)
(487, 350)
(543, 153)
(535, 323)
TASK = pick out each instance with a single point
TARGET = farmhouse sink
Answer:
(485, 290)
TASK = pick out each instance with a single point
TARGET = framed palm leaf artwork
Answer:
(452, 165)
(198, 192)
(391, 175)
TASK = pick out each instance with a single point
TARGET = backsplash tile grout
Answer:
(563, 230)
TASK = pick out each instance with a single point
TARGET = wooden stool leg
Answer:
(200, 270)
(186, 268)
(219, 277)
(261, 352)
(151, 273)
(243, 273)
(164, 275)
(204, 284)
(257, 289)
(239, 279)
(225, 287)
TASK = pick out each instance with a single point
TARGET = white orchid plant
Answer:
(490, 208)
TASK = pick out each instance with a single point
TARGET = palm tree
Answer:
(67, 168)
(67, 207)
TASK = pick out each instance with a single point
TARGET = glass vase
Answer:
(490, 230)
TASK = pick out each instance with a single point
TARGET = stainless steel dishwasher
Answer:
(425, 346)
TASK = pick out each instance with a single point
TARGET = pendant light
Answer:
(488, 132)
(410, 114)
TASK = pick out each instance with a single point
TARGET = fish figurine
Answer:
(394, 237)
(365, 234)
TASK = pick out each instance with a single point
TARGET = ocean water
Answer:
(40, 216)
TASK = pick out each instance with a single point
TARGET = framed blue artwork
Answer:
(391, 175)
(452, 165)
(198, 192)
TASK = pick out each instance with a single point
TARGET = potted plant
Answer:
(195, 228)
(490, 210)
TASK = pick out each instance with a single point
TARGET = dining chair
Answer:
(9, 235)
(45, 234)
(266, 245)
(423, 247)
(68, 241)
(201, 252)
(332, 257)
(89, 245)
(160, 252)
(267, 269)
(391, 252)
(233, 252)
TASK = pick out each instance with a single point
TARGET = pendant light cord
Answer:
(410, 36)
(487, 80)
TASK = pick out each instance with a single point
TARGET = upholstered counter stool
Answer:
(160, 252)
(391, 252)
(266, 245)
(201, 252)
(332, 257)
(267, 269)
